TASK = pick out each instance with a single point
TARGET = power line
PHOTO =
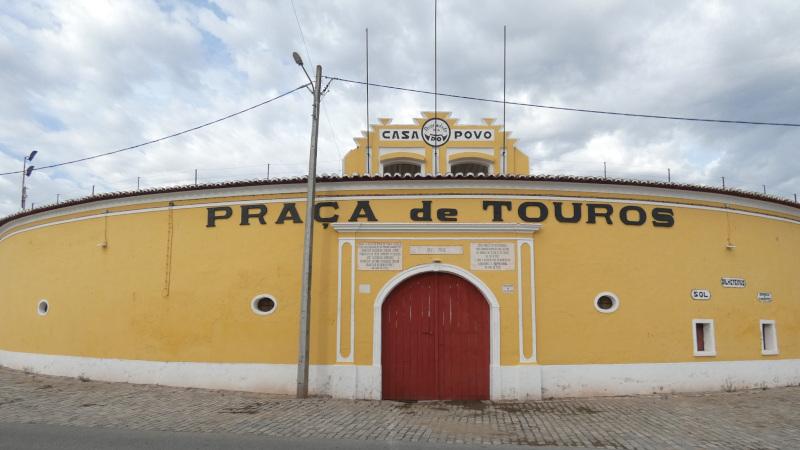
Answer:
(311, 62)
(564, 108)
(165, 137)
(302, 36)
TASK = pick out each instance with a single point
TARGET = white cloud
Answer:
(85, 77)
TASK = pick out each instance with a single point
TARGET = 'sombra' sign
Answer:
(733, 282)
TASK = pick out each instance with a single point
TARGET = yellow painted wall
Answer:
(125, 300)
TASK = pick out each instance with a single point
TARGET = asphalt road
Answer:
(42, 437)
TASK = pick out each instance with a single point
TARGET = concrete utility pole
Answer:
(305, 293)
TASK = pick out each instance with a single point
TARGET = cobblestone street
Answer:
(745, 419)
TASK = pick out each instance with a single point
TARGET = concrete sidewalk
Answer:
(747, 419)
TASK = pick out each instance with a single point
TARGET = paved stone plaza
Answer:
(745, 419)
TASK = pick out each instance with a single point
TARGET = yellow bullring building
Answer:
(442, 269)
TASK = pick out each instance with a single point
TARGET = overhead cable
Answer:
(564, 108)
(165, 137)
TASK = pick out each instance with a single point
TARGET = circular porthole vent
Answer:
(42, 307)
(606, 302)
(263, 304)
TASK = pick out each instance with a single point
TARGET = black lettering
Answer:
(363, 210)
(385, 134)
(497, 209)
(663, 217)
(226, 211)
(447, 214)
(457, 134)
(623, 215)
(289, 212)
(523, 211)
(487, 134)
(576, 212)
(329, 219)
(253, 211)
(405, 134)
(596, 210)
(422, 214)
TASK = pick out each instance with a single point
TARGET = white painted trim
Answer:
(488, 161)
(774, 332)
(436, 227)
(489, 165)
(341, 358)
(443, 238)
(614, 300)
(42, 307)
(209, 194)
(401, 161)
(258, 311)
(386, 151)
(386, 185)
(521, 300)
(459, 150)
(709, 344)
(522, 382)
(494, 319)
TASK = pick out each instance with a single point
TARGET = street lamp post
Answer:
(26, 172)
(305, 293)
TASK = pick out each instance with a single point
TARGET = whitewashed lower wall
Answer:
(632, 379)
(524, 382)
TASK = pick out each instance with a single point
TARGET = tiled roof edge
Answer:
(384, 177)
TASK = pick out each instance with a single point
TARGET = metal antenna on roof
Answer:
(504, 161)
(369, 154)
(435, 90)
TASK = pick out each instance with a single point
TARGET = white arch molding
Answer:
(494, 319)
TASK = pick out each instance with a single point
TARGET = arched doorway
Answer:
(435, 340)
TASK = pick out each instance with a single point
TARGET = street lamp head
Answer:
(32, 155)
(29, 171)
(297, 59)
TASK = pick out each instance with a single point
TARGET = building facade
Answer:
(481, 282)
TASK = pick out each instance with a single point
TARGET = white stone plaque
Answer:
(492, 256)
(701, 294)
(734, 283)
(436, 250)
(380, 256)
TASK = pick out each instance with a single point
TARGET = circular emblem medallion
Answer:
(435, 132)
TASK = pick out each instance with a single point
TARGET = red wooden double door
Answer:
(435, 340)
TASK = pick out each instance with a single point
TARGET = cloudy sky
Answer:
(79, 78)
